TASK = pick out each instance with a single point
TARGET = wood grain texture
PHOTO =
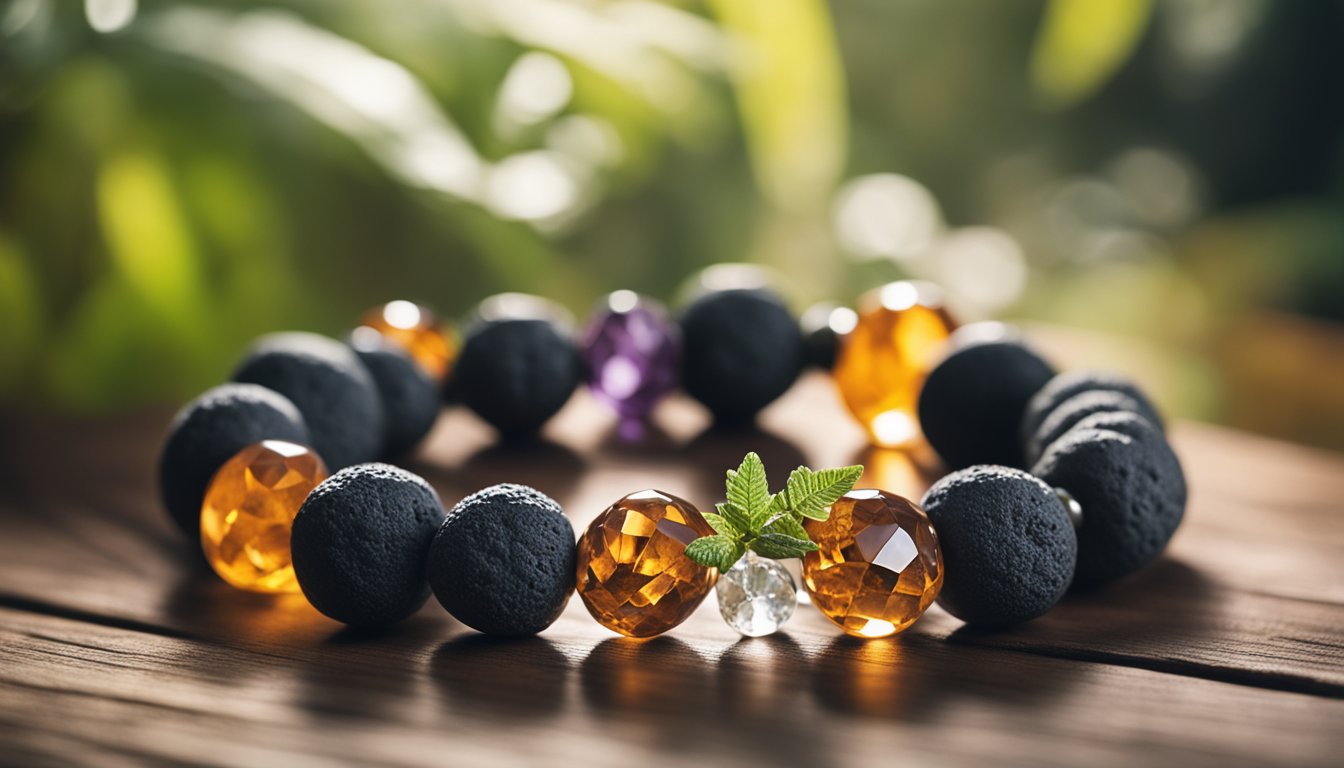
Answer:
(118, 647)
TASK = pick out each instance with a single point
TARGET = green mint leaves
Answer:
(771, 525)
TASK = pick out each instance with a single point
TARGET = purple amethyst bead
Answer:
(632, 352)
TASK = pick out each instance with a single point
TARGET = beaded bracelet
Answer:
(992, 543)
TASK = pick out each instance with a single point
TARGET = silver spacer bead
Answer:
(1071, 506)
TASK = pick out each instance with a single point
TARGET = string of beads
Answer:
(1058, 481)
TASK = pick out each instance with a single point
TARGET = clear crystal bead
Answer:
(756, 596)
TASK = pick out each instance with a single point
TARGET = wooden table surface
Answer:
(116, 648)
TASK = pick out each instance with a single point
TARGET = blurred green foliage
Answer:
(178, 177)
(214, 170)
(1080, 45)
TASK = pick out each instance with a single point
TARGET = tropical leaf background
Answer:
(177, 177)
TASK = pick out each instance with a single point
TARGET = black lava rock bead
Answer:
(1070, 383)
(332, 388)
(1124, 422)
(1008, 546)
(1130, 486)
(208, 431)
(821, 342)
(360, 542)
(516, 373)
(503, 561)
(1072, 411)
(971, 405)
(409, 396)
(741, 349)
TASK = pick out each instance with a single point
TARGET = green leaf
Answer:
(787, 525)
(770, 525)
(747, 486)
(721, 525)
(735, 516)
(763, 515)
(714, 552)
(779, 547)
(811, 493)
(739, 549)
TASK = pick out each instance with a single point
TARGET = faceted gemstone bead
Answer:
(877, 566)
(756, 596)
(419, 331)
(883, 361)
(248, 510)
(632, 353)
(633, 572)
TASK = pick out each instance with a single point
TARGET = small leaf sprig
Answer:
(771, 525)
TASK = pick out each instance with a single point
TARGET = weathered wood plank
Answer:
(437, 694)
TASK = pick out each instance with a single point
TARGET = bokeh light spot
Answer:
(536, 87)
(108, 16)
(983, 269)
(885, 216)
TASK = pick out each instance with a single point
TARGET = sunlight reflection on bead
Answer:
(900, 329)
(414, 328)
(633, 573)
(248, 510)
(843, 320)
(623, 300)
(878, 566)
(401, 314)
(632, 351)
(893, 428)
(877, 628)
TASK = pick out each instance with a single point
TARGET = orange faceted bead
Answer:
(877, 567)
(248, 510)
(883, 361)
(634, 575)
(419, 331)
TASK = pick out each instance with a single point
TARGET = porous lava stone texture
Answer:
(971, 405)
(1124, 422)
(1009, 547)
(1070, 383)
(409, 396)
(1131, 489)
(334, 391)
(1072, 411)
(208, 431)
(516, 373)
(360, 543)
(503, 561)
(741, 349)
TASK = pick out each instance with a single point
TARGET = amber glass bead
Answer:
(419, 331)
(633, 572)
(877, 567)
(248, 510)
(882, 363)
